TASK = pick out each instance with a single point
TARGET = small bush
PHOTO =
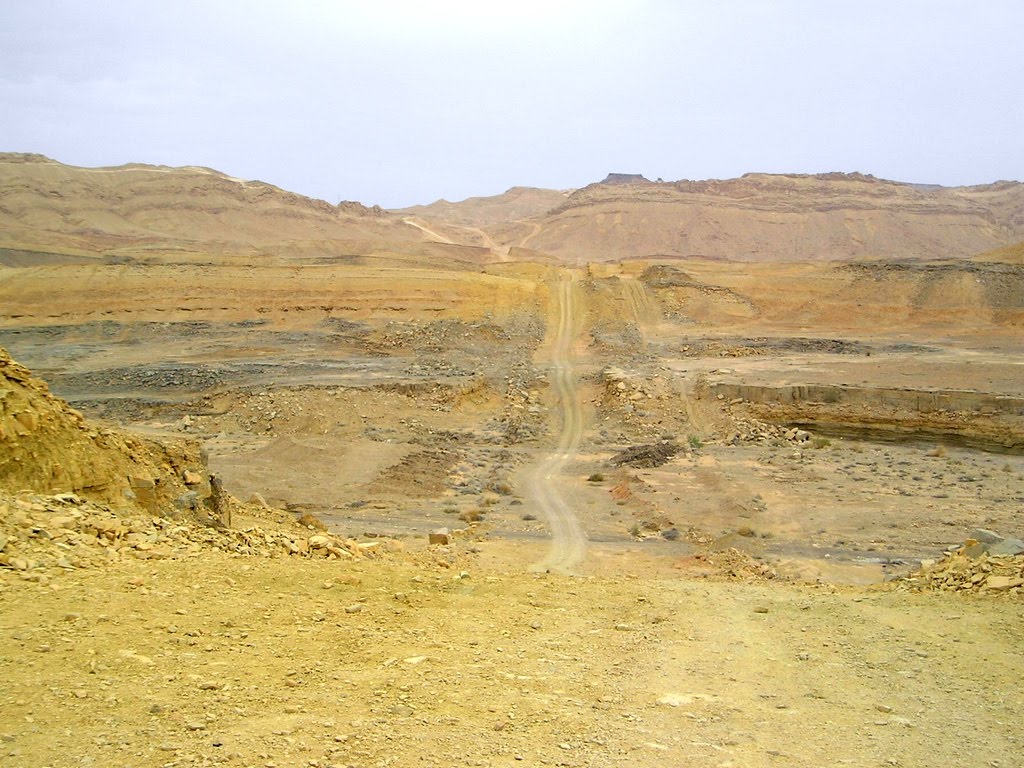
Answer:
(695, 442)
(597, 477)
(821, 442)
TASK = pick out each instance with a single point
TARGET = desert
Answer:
(724, 472)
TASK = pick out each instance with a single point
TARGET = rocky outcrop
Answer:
(625, 178)
(47, 446)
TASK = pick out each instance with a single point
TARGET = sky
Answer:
(401, 102)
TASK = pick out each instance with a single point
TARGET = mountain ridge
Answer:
(134, 209)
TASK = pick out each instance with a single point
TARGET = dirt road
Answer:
(568, 540)
(429, 232)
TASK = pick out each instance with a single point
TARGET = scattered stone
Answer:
(355, 608)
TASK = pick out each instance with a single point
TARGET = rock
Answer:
(974, 549)
(986, 536)
(309, 520)
(354, 608)
(191, 478)
(187, 500)
(440, 536)
(1000, 583)
(258, 500)
(1008, 547)
(3, 542)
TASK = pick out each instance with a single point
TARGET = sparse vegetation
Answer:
(694, 442)
(821, 442)
(597, 477)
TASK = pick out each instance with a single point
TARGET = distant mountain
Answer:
(142, 210)
(53, 211)
(763, 217)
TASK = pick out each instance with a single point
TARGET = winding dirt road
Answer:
(568, 540)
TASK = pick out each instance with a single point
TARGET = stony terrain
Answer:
(494, 494)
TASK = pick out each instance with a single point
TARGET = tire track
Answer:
(568, 540)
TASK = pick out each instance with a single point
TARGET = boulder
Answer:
(440, 536)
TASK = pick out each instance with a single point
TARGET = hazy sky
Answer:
(399, 102)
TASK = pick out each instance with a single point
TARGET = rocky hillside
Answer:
(782, 218)
(514, 205)
(52, 212)
(48, 447)
(142, 210)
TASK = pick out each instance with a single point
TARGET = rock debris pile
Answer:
(986, 563)
(44, 536)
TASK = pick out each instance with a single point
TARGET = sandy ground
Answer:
(498, 419)
(386, 663)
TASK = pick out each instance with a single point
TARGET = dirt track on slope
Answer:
(568, 540)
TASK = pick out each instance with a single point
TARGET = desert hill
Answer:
(51, 212)
(139, 210)
(762, 217)
(515, 204)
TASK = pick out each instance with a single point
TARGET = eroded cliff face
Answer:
(46, 446)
